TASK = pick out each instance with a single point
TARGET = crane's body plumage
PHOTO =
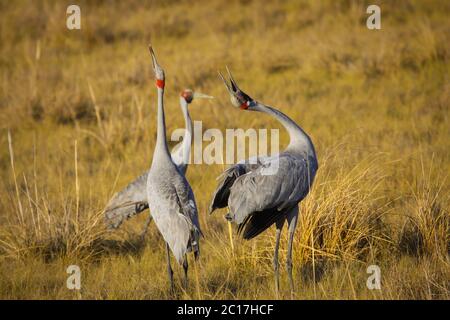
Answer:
(174, 210)
(255, 191)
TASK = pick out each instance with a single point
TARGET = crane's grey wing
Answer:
(227, 179)
(167, 213)
(128, 202)
(222, 192)
(188, 206)
(262, 196)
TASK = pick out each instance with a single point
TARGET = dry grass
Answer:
(78, 123)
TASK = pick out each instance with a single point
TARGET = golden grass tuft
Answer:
(77, 123)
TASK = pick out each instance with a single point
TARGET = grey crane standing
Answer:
(132, 200)
(267, 190)
(170, 197)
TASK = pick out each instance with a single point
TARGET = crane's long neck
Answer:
(187, 139)
(161, 149)
(300, 142)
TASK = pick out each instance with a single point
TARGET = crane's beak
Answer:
(227, 85)
(159, 72)
(232, 86)
(238, 97)
(198, 95)
(154, 61)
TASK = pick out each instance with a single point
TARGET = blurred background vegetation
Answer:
(77, 123)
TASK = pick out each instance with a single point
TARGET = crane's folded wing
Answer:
(187, 202)
(228, 177)
(277, 184)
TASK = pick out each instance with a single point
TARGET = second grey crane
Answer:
(263, 191)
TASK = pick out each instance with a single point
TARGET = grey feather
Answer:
(189, 209)
(257, 190)
(260, 192)
(173, 208)
(228, 177)
(128, 202)
(132, 200)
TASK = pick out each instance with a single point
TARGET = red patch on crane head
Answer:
(160, 83)
(188, 95)
(244, 106)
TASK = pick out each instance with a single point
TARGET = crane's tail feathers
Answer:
(259, 221)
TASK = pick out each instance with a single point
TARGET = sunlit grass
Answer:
(77, 123)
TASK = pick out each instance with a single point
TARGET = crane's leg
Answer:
(185, 268)
(292, 218)
(147, 224)
(169, 269)
(279, 226)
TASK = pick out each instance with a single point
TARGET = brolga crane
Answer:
(263, 191)
(170, 197)
(132, 200)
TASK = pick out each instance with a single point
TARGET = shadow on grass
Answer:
(97, 249)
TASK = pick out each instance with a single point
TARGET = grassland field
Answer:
(77, 123)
